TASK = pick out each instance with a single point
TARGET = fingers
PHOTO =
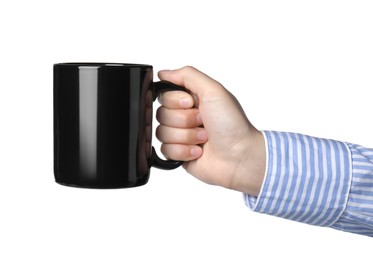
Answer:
(180, 152)
(176, 100)
(180, 113)
(180, 134)
(180, 118)
(189, 136)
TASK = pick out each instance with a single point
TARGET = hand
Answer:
(210, 132)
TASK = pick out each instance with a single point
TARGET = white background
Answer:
(300, 66)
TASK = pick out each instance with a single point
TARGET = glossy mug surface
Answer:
(103, 124)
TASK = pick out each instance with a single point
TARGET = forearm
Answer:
(314, 180)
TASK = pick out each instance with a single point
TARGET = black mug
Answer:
(103, 124)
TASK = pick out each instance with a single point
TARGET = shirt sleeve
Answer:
(317, 181)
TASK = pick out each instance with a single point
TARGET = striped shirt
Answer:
(317, 181)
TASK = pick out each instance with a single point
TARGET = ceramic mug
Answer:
(103, 124)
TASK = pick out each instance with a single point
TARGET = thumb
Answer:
(196, 81)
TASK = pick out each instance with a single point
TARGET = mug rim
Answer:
(103, 64)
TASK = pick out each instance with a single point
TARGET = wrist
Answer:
(251, 168)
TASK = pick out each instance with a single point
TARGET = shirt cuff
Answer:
(307, 179)
(358, 215)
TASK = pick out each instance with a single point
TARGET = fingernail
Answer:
(202, 135)
(196, 151)
(185, 103)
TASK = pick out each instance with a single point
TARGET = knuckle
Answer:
(158, 132)
(164, 151)
(188, 69)
(183, 119)
(186, 118)
(191, 136)
(161, 115)
(158, 114)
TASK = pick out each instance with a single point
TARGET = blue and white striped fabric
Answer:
(317, 181)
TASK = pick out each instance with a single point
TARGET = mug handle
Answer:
(158, 88)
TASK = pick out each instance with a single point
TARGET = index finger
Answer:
(176, 100)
